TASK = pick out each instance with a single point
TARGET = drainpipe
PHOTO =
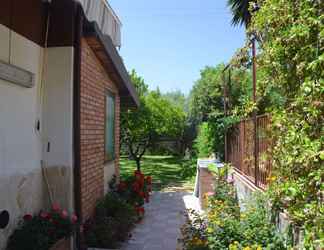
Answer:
(76, 118)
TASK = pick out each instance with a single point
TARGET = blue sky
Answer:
(168, 42)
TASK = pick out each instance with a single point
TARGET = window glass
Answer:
(110, 128)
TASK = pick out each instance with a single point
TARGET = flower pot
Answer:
(64, 244)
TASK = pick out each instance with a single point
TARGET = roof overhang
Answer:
(104, 49)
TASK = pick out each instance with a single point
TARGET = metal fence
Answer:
(253, 163)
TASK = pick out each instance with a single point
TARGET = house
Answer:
(62, 86)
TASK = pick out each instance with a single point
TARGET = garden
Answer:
(224, 225)
(115, 216)
(160, 142)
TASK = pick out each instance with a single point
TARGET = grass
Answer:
(166, 171)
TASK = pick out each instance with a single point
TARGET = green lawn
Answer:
(166, 171)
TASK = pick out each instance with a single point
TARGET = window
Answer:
(110, 128)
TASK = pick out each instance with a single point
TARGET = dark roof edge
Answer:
(93, 28)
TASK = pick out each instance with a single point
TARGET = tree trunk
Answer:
(138, 163)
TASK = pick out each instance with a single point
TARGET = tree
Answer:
(206, 104)
(240, 11)
(156, 117)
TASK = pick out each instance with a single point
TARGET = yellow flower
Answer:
(259, 248)
(272, 178)
(232, 247)
(247, 248)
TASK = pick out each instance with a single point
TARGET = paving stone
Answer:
(164, 217)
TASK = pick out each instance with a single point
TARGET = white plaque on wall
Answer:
(16, 75)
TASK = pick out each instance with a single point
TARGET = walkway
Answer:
(163, 219)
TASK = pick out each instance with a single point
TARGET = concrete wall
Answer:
(57, 125)
(23, 148)
(244, 189)
(21, 182)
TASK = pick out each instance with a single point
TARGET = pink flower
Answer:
(45, 215)
(64, 214)
(56, 207)
(27, 217)
(74, 218)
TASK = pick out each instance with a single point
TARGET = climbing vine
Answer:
(291, 57)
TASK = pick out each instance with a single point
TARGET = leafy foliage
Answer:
(225, 227)
(241, 12)
(113, 220)
(292, 59)
(42, 231)
(207, 105)
(156, 117)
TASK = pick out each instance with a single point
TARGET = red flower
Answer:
(141, 194)
(139, 176)
(74, 218)
(136, 187)
(27, 217)
(56, 207)
(64, 214)
(141, 210)
(149, 188)
(149, 180)
(45, 215)
(122, 186)
(137, 172)
(141, 182)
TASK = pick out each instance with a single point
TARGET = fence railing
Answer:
(253, 163)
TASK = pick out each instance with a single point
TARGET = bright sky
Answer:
(168, 42)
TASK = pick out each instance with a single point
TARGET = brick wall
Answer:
(206, 185)
(94, 84)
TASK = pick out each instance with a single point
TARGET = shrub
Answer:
(194, 235)
(136, 191)
(226, 227)
(40, 232)
(118, 211)
(113, 220)
(204, 143)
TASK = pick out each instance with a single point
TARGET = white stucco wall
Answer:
(23, 149)
(21, 185)
(58, 107)
(57, 125)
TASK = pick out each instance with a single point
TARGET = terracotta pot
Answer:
(64, 244)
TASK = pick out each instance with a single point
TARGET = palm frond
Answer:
(240, 11)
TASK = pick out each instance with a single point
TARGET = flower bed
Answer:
(118, 212)
(224, 226)
(44, 231)
(136, 191)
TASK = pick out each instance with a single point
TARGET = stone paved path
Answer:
(164, 216)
